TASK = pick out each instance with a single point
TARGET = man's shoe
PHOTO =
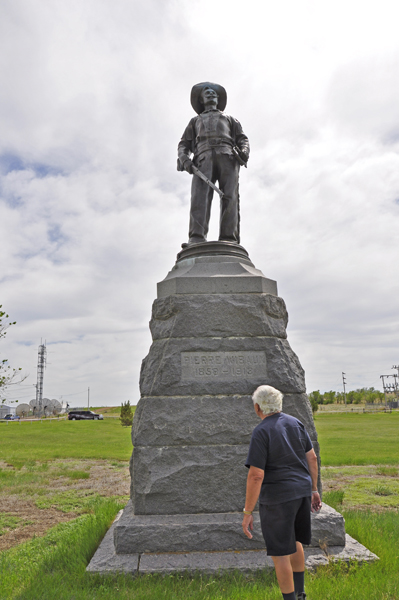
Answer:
(301, 596)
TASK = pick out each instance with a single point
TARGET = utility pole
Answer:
(383, 387)
(343, 383)
(88, 398)
(41, 365)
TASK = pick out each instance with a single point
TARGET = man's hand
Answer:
(254, 483)
(187, 166)
(313, 470)
(316, 502)
(248, 524)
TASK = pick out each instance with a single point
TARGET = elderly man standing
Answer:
(219, 146)
(283, 475)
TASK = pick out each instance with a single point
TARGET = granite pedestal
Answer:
(107, 560)
(219, 331)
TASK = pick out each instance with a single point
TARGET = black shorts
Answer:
(284, 524)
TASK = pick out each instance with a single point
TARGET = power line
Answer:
(75, 393)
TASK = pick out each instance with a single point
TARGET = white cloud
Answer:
(94, 99)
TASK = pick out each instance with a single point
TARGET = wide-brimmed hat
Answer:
(196, 93)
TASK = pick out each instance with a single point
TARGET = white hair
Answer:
(268, 398)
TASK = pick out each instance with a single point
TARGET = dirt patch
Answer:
(105, 478)
(35, 521)
(366, 488)
(336, 478)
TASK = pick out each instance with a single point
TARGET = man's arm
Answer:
(254, 484)
(313, 470)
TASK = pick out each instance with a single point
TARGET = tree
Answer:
(369, 395)
(314, 404)
(329, 397)
(315, 399)
(7, 373)
(353, 397)
(126, 417)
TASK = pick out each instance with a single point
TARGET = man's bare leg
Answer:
(298, 566)
(286, 566)
(284, 573)
(298, 559)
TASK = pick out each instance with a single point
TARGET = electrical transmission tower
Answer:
(389, 388)
(41, 365)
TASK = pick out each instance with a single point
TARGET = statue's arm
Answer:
(185, 148)
(241, 139)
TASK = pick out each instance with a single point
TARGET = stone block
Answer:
(207, 420)
(209, 563)
(298, 406)
(218, 563)
(106, 560)
(215, 275)
(352, 551)
(193, 421)
(150, 529)
(183, 532)
(213, 315)
(211, 532)
(162, 372)
(188, 479)
(328, 527)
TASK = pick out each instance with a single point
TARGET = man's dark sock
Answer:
(299, 581)
(291, 596)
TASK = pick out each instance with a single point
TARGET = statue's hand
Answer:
(187, 166)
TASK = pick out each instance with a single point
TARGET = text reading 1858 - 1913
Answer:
(222, 365)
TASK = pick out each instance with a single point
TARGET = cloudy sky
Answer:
(94, 97)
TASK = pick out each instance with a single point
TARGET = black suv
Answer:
(76, 415)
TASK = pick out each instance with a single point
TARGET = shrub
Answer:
(126, 417)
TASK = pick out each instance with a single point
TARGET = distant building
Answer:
(6, 410)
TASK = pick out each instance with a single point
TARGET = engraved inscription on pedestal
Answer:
(222, 366)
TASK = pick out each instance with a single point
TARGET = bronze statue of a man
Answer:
(219, 146)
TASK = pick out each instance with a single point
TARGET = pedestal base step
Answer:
(106, 560)
(210, 532)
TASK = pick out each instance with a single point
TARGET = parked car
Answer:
(11, 418)
(76, 415)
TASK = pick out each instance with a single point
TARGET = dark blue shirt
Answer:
(278, 446)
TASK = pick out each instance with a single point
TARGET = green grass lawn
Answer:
(358, 439)
(47, 440)
(53, 566)
(345, 439)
